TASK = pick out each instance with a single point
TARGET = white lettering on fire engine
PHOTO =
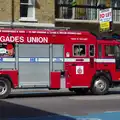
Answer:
(79, 69)
(12, 39)
(37, 39)
(21, 39)
(79, 38)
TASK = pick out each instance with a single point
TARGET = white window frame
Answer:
(94, 50)
(116, 12)
(65, 9)
(30, 2)
(88, 14)
(73, 12)
(79, 55)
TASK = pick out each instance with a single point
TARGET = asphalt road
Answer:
(41, 105)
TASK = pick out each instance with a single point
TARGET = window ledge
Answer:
(27, 20)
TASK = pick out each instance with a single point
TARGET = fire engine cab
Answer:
(57, 59)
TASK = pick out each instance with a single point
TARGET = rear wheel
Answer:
(5, 87)
(100, 86)
(81, 91)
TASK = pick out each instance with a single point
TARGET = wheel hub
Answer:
(3, 87)
(100, 85)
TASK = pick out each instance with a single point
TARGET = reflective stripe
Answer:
(77, 60)
(104, 60)
(57, 60)
(42, 60)
(24, 59)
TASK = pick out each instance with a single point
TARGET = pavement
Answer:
(60, 105)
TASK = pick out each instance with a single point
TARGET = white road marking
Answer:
(104, 97)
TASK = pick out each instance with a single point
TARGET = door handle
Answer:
(105, 65)
(74, 64)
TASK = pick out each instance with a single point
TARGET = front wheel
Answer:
(100, 86)
(5, 87)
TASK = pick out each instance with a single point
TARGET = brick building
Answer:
(76, 14)
(84, 14)
(27, 13)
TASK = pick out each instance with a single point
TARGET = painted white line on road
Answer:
(111, 111)
(104, 97)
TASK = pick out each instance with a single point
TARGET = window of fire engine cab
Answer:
(79, 50)
(110, 51)
(91, 50)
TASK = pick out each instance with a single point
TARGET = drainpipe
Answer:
(12, 13)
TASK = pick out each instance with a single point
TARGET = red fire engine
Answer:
(57, 59)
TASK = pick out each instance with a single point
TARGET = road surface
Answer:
(41, 105)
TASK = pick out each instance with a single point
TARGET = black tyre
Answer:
(71, 90)
(5, 87)
(100, 86)
(81, 91)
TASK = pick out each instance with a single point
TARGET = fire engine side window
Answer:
(99, 51)
(109, 51)
(92, 50)
(79, 50)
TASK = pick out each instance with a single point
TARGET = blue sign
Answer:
(58, 60)
(1, 59)
(32, 59)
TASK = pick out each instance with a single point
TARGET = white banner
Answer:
(105, 15)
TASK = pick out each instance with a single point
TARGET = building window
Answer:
(79, 50)
(116, 13)
(66, 10)
(27, 10)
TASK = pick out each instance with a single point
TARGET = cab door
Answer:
(81, 65)
(116, 75)
(111, 61)
(117, 57)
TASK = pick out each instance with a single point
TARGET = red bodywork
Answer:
(12, 74)
(55, 79)
(68, 39)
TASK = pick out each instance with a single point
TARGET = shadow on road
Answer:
(34, 94)
(114, 92)
(15, 112)
(52, 94)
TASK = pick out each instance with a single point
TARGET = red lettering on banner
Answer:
(102, 15)
(105, 15)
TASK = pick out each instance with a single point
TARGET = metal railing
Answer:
(82, 12)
